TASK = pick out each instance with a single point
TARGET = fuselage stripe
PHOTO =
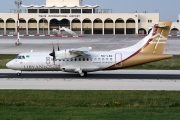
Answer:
(147, 43)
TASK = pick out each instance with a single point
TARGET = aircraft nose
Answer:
(8, 65)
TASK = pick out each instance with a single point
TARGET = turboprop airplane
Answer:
(83, 60)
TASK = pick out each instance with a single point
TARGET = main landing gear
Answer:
(82, 74)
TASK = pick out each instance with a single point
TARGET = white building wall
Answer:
(63, 2)
(143, 17)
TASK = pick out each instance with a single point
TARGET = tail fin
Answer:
(157, 38)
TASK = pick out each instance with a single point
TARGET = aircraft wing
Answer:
(83, 51)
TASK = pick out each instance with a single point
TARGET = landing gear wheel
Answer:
(83, 74)
(18, 74)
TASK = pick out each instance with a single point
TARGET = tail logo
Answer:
(158, 39)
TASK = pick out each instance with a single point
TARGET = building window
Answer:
(149, 21)
(139, 20)
(54, 10)
(32, 10)
(86, 10)
(65, 10)
(177, 20)
(76, 10)
(43, 10)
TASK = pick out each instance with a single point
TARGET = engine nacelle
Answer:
(64, 54)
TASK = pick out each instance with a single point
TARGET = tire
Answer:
(83, 74)
(18, 74)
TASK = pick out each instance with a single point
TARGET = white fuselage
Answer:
(42, 61)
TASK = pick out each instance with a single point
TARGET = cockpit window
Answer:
(20, 57)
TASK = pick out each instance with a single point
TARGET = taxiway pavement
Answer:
(97, 42)
(108, 80)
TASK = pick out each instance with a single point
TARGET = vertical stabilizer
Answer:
(159, 37)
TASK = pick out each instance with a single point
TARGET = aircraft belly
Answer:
(85, 68)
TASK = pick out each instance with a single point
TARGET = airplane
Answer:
(84, 60)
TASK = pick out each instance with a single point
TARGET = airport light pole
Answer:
(18, 4)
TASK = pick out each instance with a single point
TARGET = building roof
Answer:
(59, 6)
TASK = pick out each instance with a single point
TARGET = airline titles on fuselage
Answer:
(44, 67)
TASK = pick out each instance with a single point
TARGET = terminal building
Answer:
(84, 19)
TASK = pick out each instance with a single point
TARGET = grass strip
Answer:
(5, 58)
(81, 105)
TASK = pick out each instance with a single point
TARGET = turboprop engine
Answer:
(70, 53)
(64, 54)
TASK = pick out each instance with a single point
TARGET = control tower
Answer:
(64, 2)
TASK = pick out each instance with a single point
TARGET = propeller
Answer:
(58, 46)
(53, 54)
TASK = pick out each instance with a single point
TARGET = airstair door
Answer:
(118, 60)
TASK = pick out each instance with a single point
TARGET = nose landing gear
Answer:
(18, 73)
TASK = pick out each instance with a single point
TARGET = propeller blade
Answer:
(53, 54)
(58, 46)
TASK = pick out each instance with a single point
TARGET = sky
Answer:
(168, 9)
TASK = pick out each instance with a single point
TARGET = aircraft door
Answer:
(48, 60)
(118, 60)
